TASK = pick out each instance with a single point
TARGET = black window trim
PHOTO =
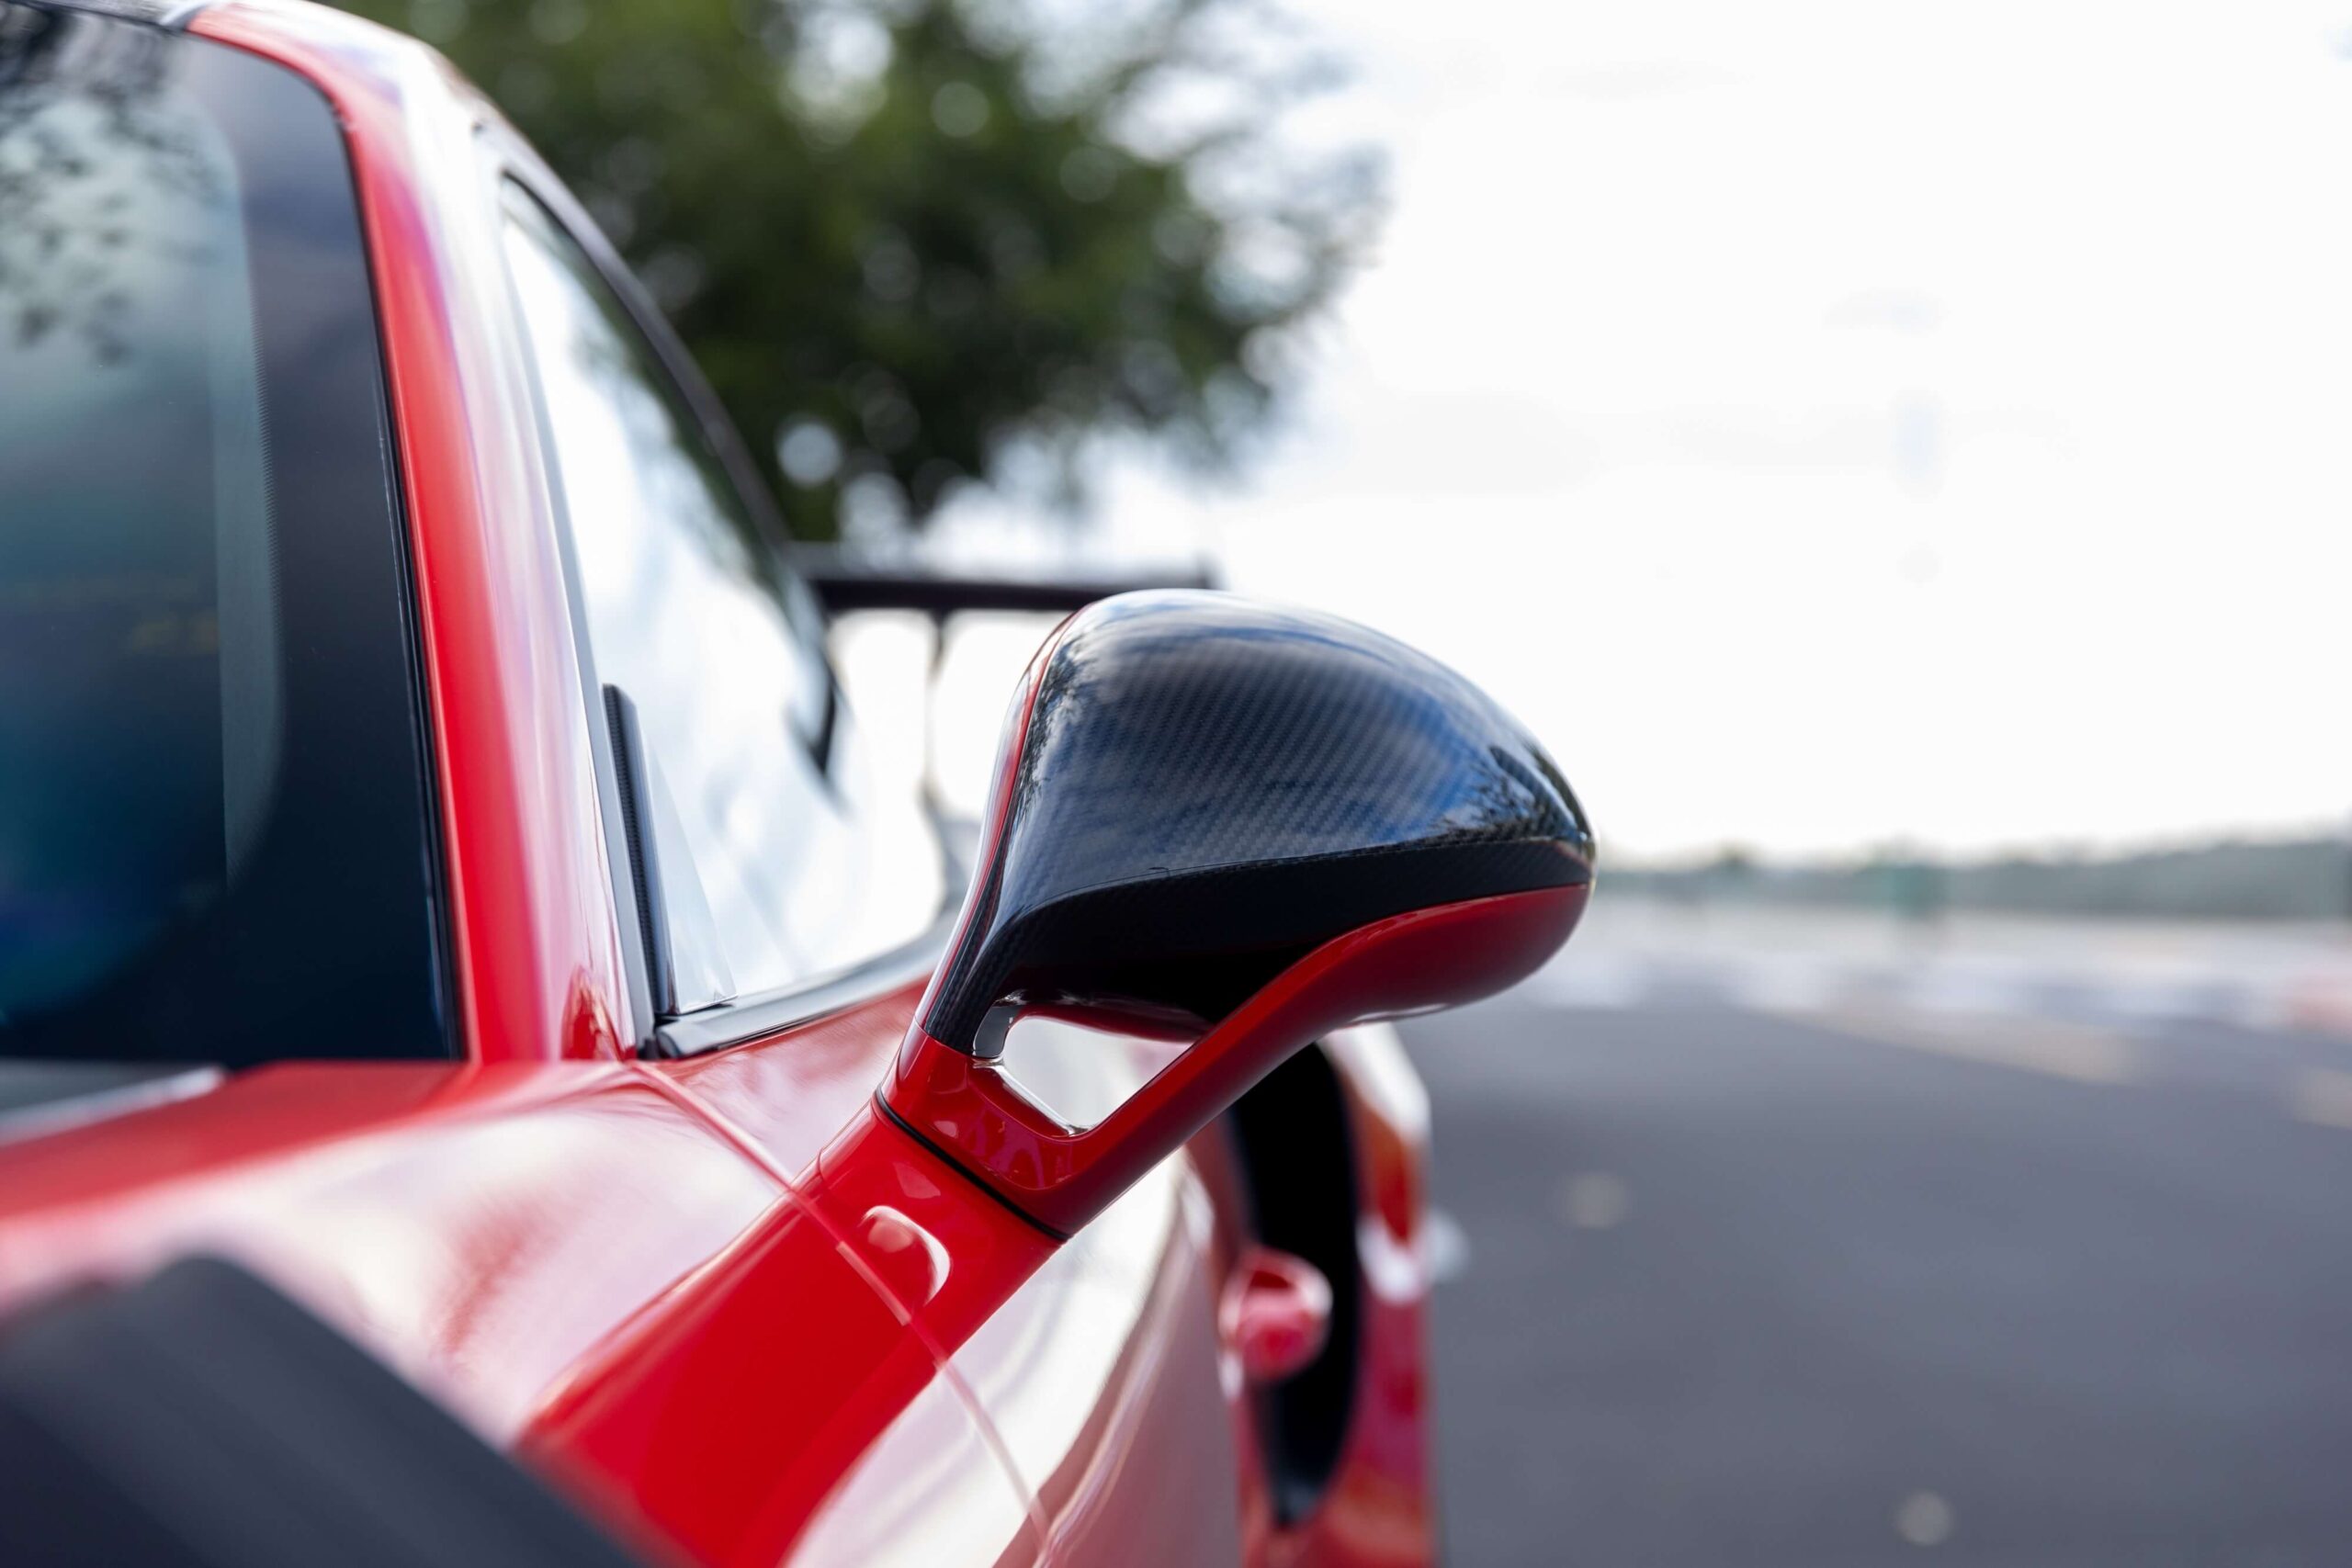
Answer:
(762, 1013)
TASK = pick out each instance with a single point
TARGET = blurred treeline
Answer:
(2279, 879)
(916, 244)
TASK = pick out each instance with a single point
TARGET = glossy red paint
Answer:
(727, 1430)
(480, 1228)
(1062, 1178)
(743, 1314)
(577, 1260)
(1081, 1357)
(538, 968)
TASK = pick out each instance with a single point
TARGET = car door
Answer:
(1095, 1365)
(779, 1405)
(1104, 1373)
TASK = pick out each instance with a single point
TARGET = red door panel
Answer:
(1103, 1376)
(1103, 1372)
(768, 1409)
(1096, 1364)
(790, 1095)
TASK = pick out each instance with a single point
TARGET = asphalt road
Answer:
(1750, 1289)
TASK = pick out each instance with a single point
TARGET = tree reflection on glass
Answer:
(99, 174)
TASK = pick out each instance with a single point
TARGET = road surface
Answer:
(1748, 1288)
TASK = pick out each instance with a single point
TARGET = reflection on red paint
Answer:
(1276, 1313)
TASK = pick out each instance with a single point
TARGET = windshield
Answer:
(214, 835)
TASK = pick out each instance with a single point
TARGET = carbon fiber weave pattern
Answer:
(1209, 785)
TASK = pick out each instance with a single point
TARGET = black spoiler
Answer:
(844, 584)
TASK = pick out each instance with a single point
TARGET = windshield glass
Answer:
(214, 828)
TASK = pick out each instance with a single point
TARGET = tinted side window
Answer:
(216, 841)
(804, 867)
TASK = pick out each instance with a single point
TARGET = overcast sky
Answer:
(1830, 423)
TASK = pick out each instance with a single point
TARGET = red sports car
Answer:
(490, 1074)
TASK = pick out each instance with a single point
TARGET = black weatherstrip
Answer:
(636, 800)
(749, 1018)
(203, 1420)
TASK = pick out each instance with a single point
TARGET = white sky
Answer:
(1825, 424)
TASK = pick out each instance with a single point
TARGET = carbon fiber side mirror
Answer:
(1240, 825)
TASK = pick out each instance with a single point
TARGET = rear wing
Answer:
(844, 584)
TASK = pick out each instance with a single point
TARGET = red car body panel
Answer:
(736, 1309)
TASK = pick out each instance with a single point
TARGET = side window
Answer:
(777, 851)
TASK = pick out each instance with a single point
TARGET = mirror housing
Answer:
(1239, 825)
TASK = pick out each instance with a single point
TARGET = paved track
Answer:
(1746, 1289)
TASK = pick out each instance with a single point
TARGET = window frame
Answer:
(508, 164)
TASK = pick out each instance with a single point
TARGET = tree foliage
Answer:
(919, 242)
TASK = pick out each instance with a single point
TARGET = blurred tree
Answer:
(918, 243)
